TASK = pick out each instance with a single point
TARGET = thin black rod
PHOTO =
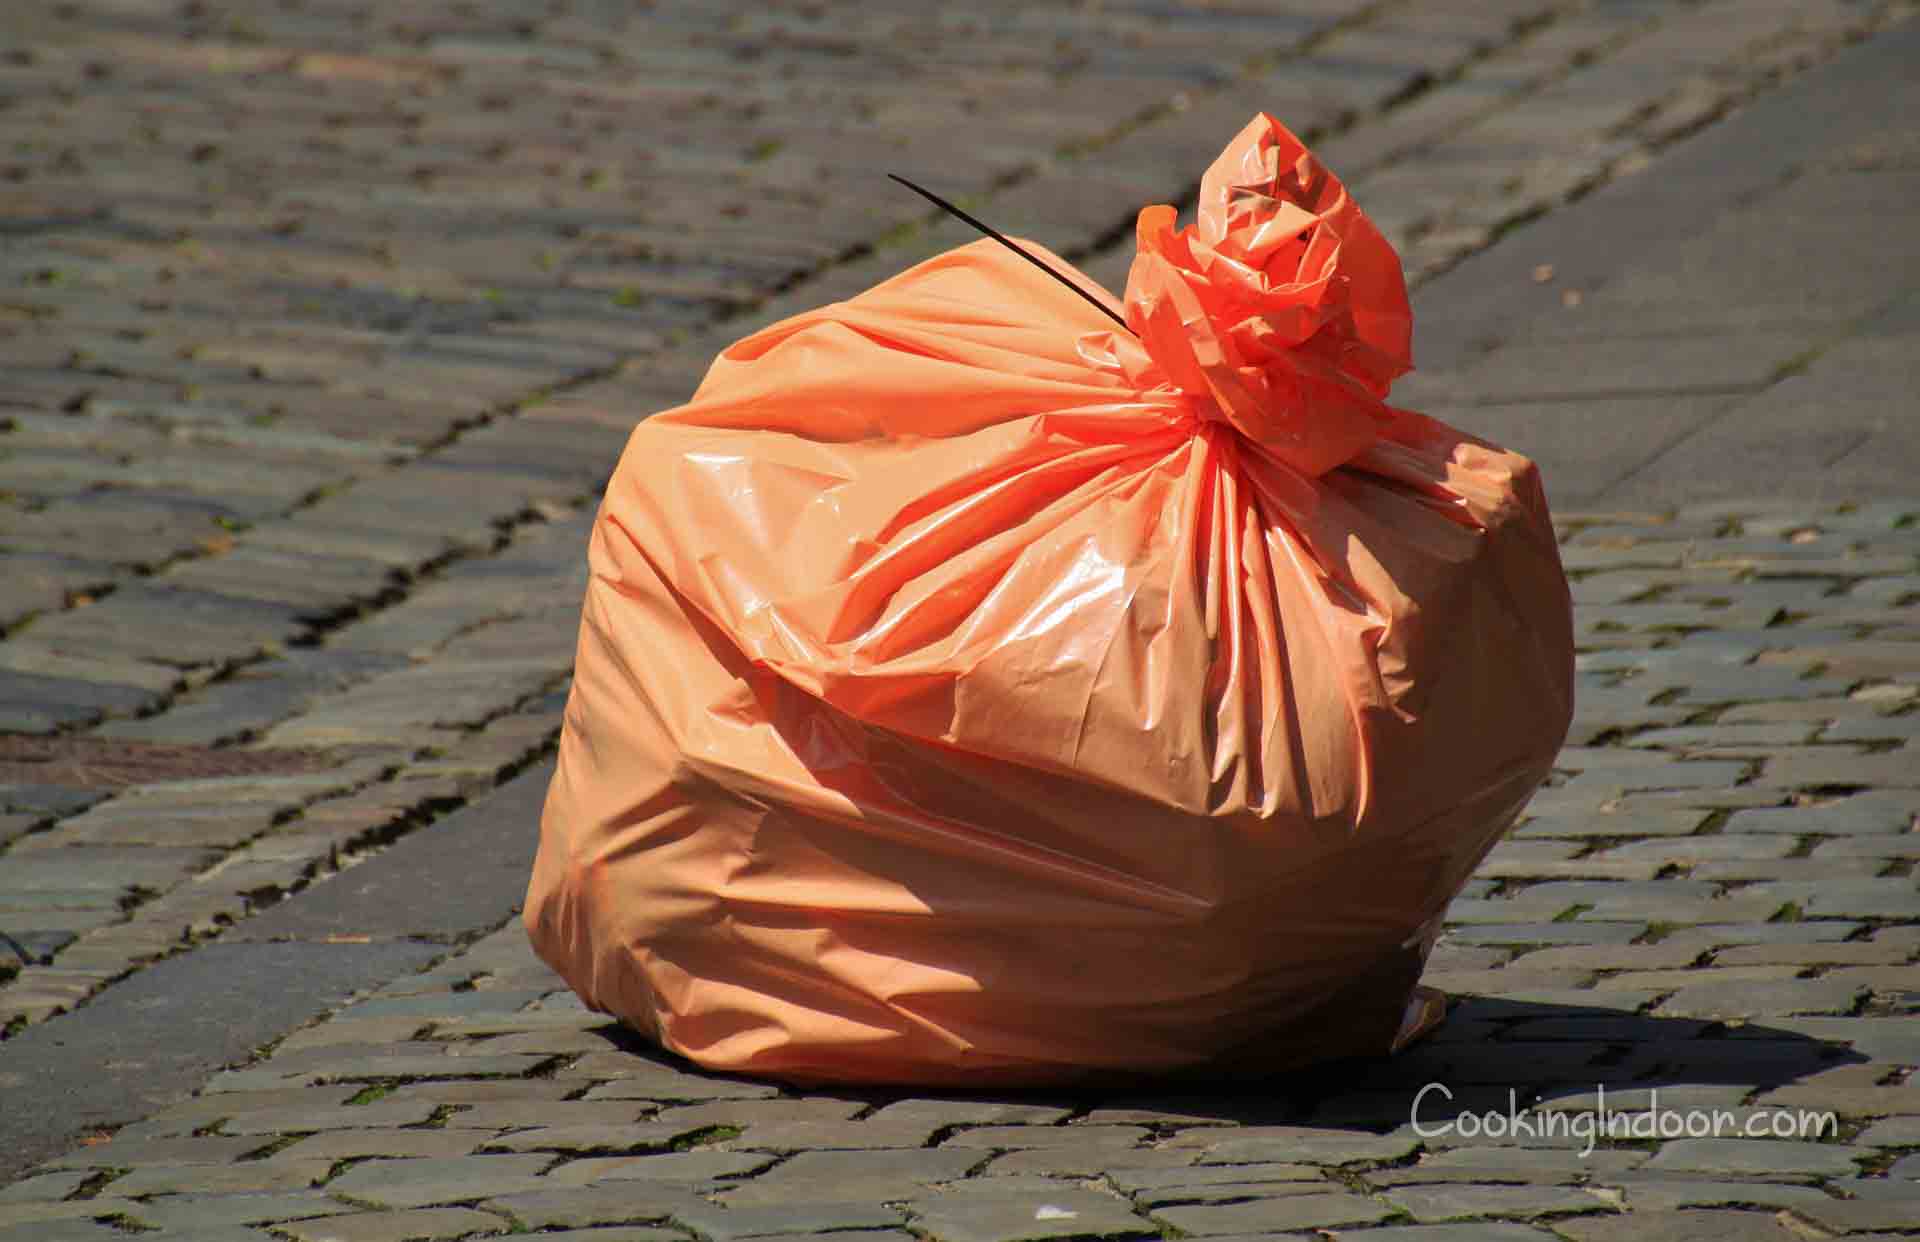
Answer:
(1012, 245)
(20, 951)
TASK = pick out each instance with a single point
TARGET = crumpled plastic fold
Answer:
(969, 692)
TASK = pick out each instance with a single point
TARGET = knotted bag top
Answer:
(1281, 310)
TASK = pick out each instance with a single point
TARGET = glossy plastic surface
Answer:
(971, 692)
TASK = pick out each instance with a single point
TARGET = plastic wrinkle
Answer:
(971, 693)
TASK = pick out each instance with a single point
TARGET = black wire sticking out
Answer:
(27, 956)
(1012, 245)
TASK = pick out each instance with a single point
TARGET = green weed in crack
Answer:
(96, 1181)
(125, 1223)
(135, 895)
(706, 1137)
(274, 1148)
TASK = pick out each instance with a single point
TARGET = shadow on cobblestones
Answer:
(1491, 1055)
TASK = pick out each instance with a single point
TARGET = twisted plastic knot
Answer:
(1281, 310)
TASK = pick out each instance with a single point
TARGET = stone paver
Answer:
(1757, 1156)
(1291, 1212)
(1444, 1203)
(1019, 1214)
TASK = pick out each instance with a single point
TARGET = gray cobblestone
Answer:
(835, 1136)
(970, 1112)
(1751, 1156)
(1065, 1213)
(1891, 1215)
(1849, 816)
(1548, 933)
(1479, 1231)
(1199, 1177)
(507, 1114)
(873, 1176)
(990, 1137)
(758, 1112)
(45, 1187)
(1680, 1226)
(1324, 1211)
(1715, 936)
(1865, 1096)
(679, 1168)
(378, 1115)
(726, 1224)
(612, 1203)
(1761, 997)
(1856, 953)
(192, 1214)
(1290, 1145)
(1664, 823)
(1788, 870)
(1053, 1164)
(357, 1144)
(159, 1152)
(631, 1137)
(225, 1179)
(1216, 1193)
(1664, 1193)
(1893, 1132)
(26, 1218)
(1444, 1203)
(67, 1230)
(427, 1181)
(671, 1087)
(420, 1225)
(1650, 957)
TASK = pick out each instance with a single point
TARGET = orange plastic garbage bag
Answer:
(971, 692)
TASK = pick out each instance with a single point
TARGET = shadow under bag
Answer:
(973, 692)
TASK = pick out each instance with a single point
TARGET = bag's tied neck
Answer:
(1281, 310)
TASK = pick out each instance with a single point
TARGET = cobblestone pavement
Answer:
(323, 323)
